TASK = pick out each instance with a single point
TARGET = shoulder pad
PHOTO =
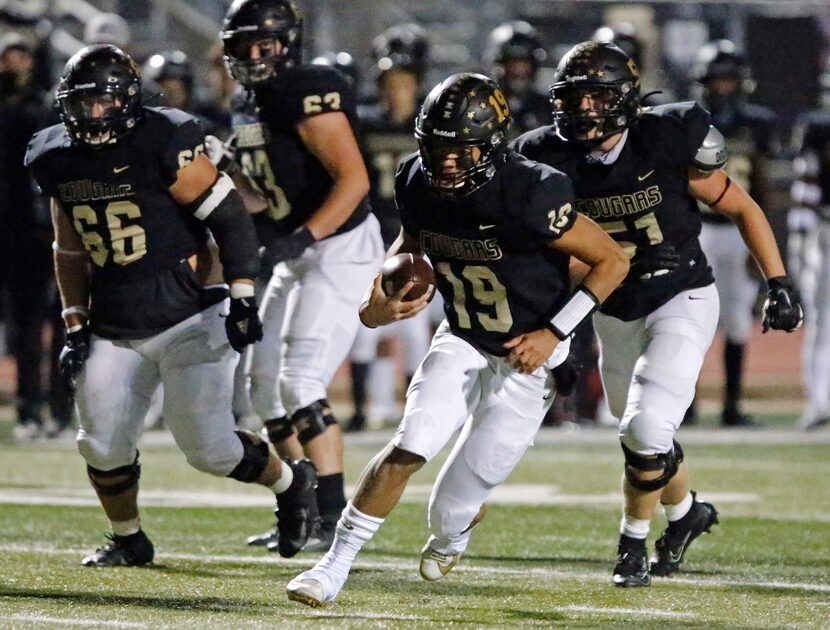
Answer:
(407, 165)
(45, 140)
(712, 153)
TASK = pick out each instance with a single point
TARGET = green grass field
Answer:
(542, 557)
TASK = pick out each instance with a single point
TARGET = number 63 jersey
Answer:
(641, 199)
(137, 236)
(494, 265)
(272, 153)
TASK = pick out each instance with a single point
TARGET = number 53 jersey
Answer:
(641, 199)
(495, 268)
(137, 236)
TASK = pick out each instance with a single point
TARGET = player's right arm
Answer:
(71, 268)
(378, 309)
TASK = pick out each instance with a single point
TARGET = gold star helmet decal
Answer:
(471, 115)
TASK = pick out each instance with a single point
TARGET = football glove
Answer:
(242, 323)
(654, 261)
(782, 308)
(221, 154)
(73, 355)
(286, 247)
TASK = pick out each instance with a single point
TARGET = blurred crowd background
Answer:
(776, 55)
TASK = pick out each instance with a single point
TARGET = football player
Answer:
(809, 249)
(296, 146)
(723, 80)
(401, 55)
(133, 198)
(639, 172)
(500, 231)
(513, 56)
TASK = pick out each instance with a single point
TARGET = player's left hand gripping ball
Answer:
(782, 308)
(242, 324)
(73, 355)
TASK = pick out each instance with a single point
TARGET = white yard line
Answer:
(651, 612)
(96, 623)
(470, 567)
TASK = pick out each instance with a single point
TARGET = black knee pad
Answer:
(130, 472)
(328, 414)
(311, 421)
(667, 462)
(279, 429)
(255, 455)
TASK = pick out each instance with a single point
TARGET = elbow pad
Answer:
(223, 211)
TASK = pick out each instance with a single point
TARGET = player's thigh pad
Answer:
(445, 389)
(322, 315)
(197, 368)
(621, 344)
(113, 395)
(679, 334)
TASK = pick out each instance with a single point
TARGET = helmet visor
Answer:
(588, 111)
(449, 165)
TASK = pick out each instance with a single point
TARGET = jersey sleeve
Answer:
(318, 90)
(403, 195)
(549, 213)
(186, 143)
(37, 160)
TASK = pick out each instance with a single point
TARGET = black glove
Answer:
(782, 308)
(654, 261)
(286, 247)
(242, 324)
(565, 376)
(73, 355)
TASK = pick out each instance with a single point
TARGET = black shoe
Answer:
(735, 419)
(671, 547)
(322, 537)
(356, 424)
(632, 566)
(297, 513)
(264, 539)
(122, 551)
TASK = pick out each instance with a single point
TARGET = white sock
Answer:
(679, 510)
(354, 529)
(634, 527)
(284, 482)
(126, 528)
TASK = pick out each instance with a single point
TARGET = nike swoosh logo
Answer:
(695, 297)
(117, 170)
(445, 563)
(486, 227)
(647, 175)
(548, 397)
(675, 557)
(347, 526)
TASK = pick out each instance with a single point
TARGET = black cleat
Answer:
(264, 539)
(122, 551)
(297, 513)
(671, 547)
(632, 566)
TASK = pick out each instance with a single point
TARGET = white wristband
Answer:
(241, 290)
(582, 305)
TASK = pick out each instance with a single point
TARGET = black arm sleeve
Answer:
(233, 229)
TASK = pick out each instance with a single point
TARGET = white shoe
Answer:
(435, 565)
(306, 591)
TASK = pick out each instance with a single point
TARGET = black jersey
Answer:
(814, 130)
(385, 144)
(641, 199)
(137, 236)
(272, 154)
(749, 131)
(497, 273)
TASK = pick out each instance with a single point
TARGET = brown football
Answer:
(400, 269)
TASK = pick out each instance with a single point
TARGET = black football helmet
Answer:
(721, 60)
(169, 64)
(250, 21)
(99, 95)
(465, 115)
(514, 41)
(402, 46)
(596, 89)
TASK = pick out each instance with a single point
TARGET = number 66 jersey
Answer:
(638, 194)
(137, 237)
